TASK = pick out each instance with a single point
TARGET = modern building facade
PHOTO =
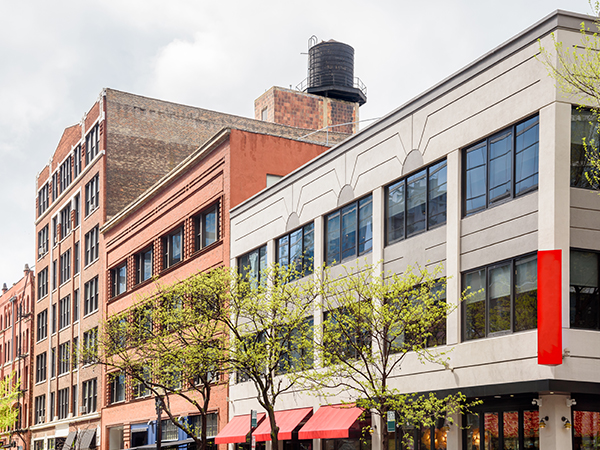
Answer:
(482, 174)
(16, 356)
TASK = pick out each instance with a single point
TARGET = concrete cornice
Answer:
(557, 20)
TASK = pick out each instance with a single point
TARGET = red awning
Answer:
(286, 420)
(237, 429)
(331, 422)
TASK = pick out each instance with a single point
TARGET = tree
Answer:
(9, 394)
(169, 345)
(577, 73)
(371, 325)
(270, 321)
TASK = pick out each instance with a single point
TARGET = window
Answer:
(416, 203)
(501, 167)
(337, 323)
(65, 312)
(584, 133)
(40, 367)
(54, 270)
(43, 241)
(91, 296)
(40, 410)
(139, 389)
(65, 266)
(195, 423)
(75, 353)
(52, 405)
(76, 161)
(206, 226)
(119, 279)
(76, 258)
(42, 280)
(297, 343)
(75, 305)
(117, 388)
(91, 245)
(503, 298)
(349, 231)
(295, 251)
(584, 290)
(253, 264)
(64, 358)
(54, 230)
(65, 221)
(90, 345)
(503, 424)
(53, 362)
(43, 199)
(169, 430)
(74, 400)
(55, 181)
(172, 244)
(63, 403)
(76, 208)
(65, 174)
(42, 325)
(88, 399)
(53, 318)
(91, 144)
(143, 265)
(92, 195)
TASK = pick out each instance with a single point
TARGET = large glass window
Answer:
(503, 166)
(586, 430)
(349, 231)
(296, 250)
(416, 203)
(501, 298)
(584, 134)
(253, 264)
(584, 292)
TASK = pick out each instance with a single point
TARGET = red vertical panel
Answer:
(549, 307)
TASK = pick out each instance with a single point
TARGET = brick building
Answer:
(181, 226)
(123, 145)
(16, 326)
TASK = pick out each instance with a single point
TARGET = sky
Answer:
(56, 57)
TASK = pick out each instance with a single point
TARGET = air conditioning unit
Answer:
(83, 409)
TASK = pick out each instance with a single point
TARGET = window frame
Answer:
(42, 279)
(90, 296)
(63, 403)
(486, 144)
(92, 195)
(366, 202)
(65, 174)
(200, 232)
(262, 264)
(92, 245)
(140, 273)
(307, 266)
(167, 241)
(512, 263)
(573, 308)
(43, 241)
(116, 273)
(65, 267)
(41, 365)
(92, 144)
(116, 388)
(64, 358)
(428, 171)
(42, 325)
(89, 392)
(40, 410)
(64, 319)
(43, 199)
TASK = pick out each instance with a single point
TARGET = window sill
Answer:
(90, 263)
(85, 316)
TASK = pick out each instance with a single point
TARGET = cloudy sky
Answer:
(55, 58)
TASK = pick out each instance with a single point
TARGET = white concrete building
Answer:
(476, 173)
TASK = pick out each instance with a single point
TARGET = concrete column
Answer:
(453, 219)
(554, 189)
(555, 436)
(454, 437)
(318, 309)
(376, 438)
(378, 229)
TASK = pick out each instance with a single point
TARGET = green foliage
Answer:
(9, 395)
(371, 325)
